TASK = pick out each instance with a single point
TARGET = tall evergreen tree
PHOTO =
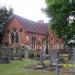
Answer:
(5, 16)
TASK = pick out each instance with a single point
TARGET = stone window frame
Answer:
(15, 32)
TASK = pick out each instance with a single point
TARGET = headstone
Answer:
(26, 54)
(72, 56)
(4, 59)
(53, 56)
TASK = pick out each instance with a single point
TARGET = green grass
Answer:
(17, 68)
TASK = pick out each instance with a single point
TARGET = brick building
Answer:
(21, 31)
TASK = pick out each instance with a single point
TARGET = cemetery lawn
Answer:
(17, 68)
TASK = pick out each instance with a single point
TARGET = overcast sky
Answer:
(30, 9)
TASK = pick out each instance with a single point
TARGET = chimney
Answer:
(41, 21)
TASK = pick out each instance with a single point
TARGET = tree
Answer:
(5, 16)
(62, 14)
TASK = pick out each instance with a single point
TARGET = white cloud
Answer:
(27, 8)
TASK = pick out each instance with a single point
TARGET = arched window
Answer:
(14, 37)
(33, 42)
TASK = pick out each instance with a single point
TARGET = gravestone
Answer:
(72, 59)
(53, 56)
(4, 59)
(73, 55)
(26, 54)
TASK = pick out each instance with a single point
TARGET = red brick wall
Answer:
(15, 24)
(38, 37)
(23, 39)
(54, 41)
